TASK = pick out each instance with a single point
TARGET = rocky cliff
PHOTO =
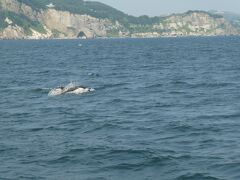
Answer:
(192, 23)
(20, 20)
(53, 23)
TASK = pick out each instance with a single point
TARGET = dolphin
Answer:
(78, 90)
(70, 90)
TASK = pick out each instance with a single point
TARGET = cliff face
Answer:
(67, 25)
(56, 24)
(18, 21)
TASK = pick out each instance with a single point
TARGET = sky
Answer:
(164, 7)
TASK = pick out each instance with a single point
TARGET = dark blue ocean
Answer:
(162, 109)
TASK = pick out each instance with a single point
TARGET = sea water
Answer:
(162, 109)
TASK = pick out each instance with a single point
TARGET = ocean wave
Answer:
(105, 126)
(202, 84)
(197, 176)
(218, 116)
(41, 90)
(63, 160)
(94, 74)
(113, 85)
(230, 170)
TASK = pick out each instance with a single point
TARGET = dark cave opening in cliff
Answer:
(81, 35)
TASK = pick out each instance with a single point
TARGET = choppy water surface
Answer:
(162, 109)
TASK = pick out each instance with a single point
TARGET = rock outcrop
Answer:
(68, 25)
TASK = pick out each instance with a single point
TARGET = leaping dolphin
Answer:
(69, 90)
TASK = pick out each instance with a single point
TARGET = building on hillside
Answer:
(51, 5)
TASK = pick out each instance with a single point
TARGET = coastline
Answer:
(108, 38)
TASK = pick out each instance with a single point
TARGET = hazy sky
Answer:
(159, 7)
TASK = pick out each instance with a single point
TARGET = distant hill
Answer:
(232, 17)
(34, 19)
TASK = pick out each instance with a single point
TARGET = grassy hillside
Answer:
(3, 24)
(95, 9)
(21, 21)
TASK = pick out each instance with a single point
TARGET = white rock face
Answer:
(12, 32)
(38, 35)
(8, 21)
(72, 24)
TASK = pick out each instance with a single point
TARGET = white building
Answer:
(51, 5)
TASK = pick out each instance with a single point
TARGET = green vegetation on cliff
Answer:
(3, 24)
(20, 20)
(92, 8)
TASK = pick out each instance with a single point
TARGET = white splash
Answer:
(55, 92)
(71, 85)
(71, 88)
